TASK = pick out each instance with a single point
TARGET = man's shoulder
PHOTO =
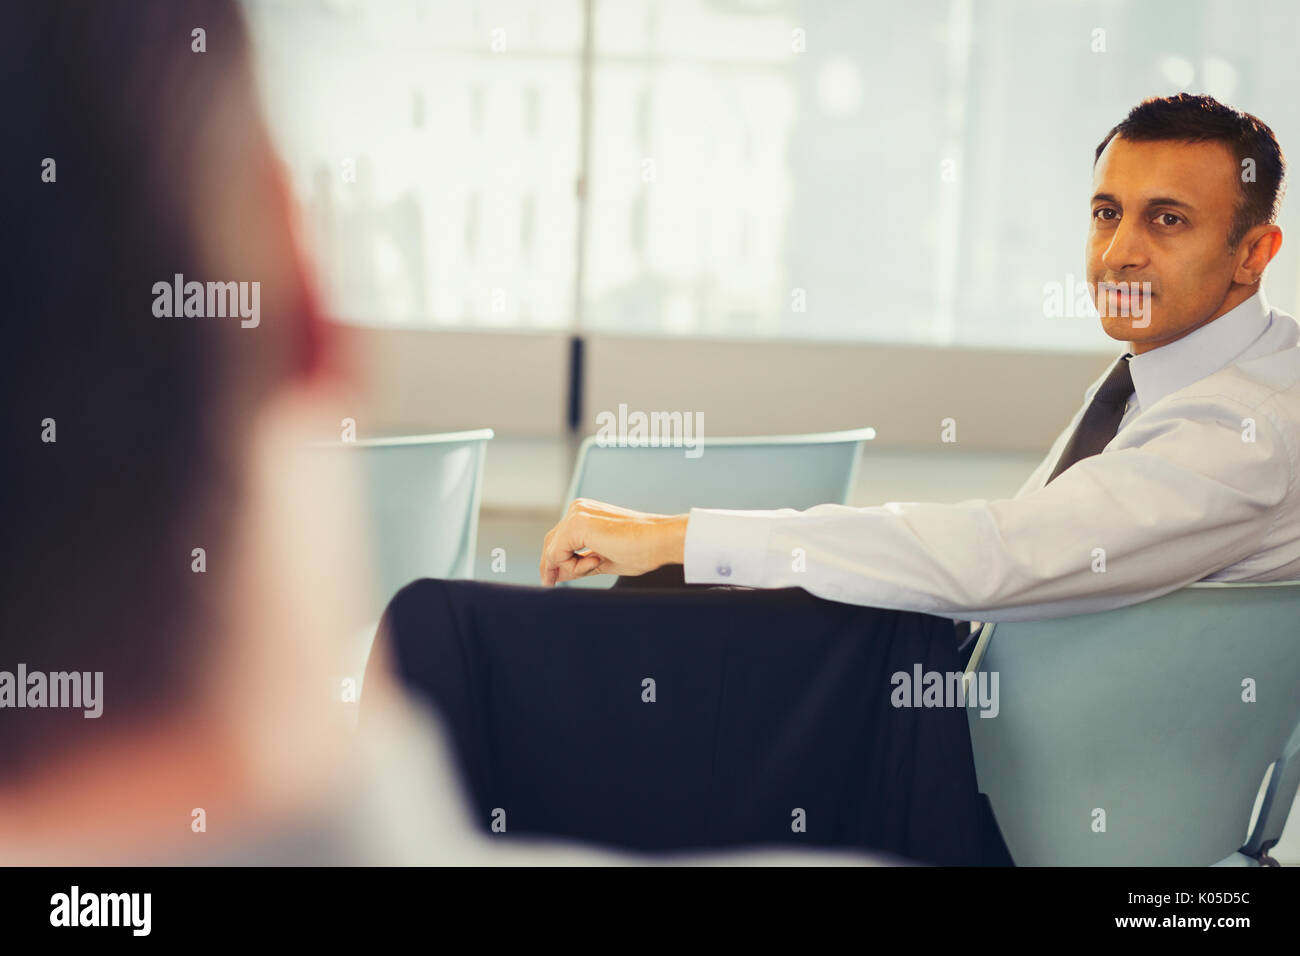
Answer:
(1267, 376)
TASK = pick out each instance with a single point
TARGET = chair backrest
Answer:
(422, 503)
(1157, 721)
(772, 471)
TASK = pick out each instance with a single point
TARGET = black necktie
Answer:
(1101, 420)
(1098, 426)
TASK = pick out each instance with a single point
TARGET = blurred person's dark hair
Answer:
(162, 167)
(1190, 118)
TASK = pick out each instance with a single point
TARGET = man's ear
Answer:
(1262, 243)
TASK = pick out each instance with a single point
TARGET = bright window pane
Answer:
(435, 148)
(911, 172)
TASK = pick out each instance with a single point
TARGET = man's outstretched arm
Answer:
(1186, 497)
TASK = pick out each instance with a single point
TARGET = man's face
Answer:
(1161, 213)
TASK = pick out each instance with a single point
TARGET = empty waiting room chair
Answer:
(421, 511)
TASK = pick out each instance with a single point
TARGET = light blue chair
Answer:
(422, 495)
(1138, 712)
(772, 471)
(422, 502)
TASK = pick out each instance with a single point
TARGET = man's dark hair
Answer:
(150, 415)
(1197, 119)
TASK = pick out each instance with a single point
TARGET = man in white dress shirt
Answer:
(1180, 465)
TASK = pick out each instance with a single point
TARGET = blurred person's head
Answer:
(136, 438)
(1184, 206)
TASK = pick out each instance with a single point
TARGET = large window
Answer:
(435, 148)
(912, 172)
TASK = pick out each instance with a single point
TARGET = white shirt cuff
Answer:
(726, 547)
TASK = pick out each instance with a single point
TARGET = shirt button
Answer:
(724, 569)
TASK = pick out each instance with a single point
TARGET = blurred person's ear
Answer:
(249, 227)
(317, 342)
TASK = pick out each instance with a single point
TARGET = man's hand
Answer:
(598, 538)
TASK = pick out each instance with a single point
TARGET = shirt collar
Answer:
(1166, 369)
